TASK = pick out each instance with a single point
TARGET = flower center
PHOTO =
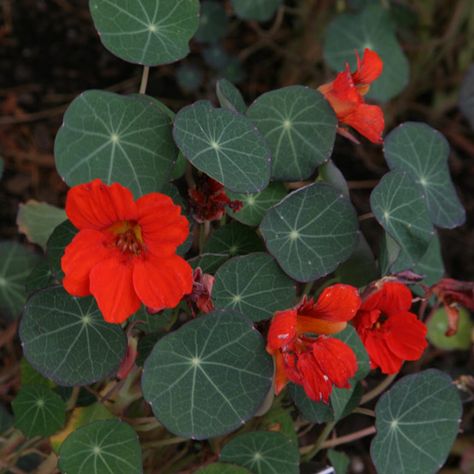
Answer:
(128, 237)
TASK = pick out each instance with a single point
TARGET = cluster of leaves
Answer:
(208, 377)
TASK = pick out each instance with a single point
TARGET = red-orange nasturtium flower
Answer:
(304, 354)
(125, 251)
(390, 333)
(345, 94)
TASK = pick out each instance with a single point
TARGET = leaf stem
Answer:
(376, 391)
(320, 441)
(144, 81)
(349, 438)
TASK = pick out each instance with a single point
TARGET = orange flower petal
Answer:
(369, 69)
(282, 330)
(281, 380)
(162, 225)
(111, 285)
(162, 282)
(307, 325)
(87, 249)
(97, 206)
(368, 120)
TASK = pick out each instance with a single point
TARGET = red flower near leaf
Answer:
(345, 94)
(208, 201)
(125, 251)
(297, 339)
(200, 297)
(390, 333)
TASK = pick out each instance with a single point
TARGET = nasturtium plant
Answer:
(247, 248)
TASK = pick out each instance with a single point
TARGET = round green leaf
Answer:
(230, 97)
(300, 128)
(311, 231)
(38, 411)
(148, 32)
(254, 285)
(373, 29)
(208, 377)
(422, 152)
(213, 22)
(263, 452)
(67, 340)
(400, 208)
(417, 422)
(37, 220)
(101, 447)
(60, 238)
(255, 205)
(260, 10)
(222, 468)
(224, 145)
(117, 139)
(40, 277)
(16, 264)
(438, 325)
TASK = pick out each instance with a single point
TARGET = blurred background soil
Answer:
(50, 53)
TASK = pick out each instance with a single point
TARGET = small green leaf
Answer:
(60, 238)
(466, 95)
(30, 376)
(360, 269)
(107, 446)
(400, 208)
(148, 32)
(37, 220)
(117, 139)
(339, 461)
(331, 174)
(438, 325)
(67, 340)
(256, 205)
(311, 231)
(263, 452)
(38, 411)
(300, 128)
(373, 29)
(230, 97)
(213, 22)
(17, 263)
(208, 377)
(260, 10)
(417, 423)
(422, 152)
(224, 145)
(40, 277)
(222, 468)
(253, 285)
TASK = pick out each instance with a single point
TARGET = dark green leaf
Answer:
(106, 446)
(117, 139)
(330, 173)
(315, 412)
(400, 208)
(17, 263)
(256, 205)
(150, 323)
(417, 422)
(60, 238)
(224, 145)
(300, 127)
(373, 29)
(148, 32)
(29, 376)
(339, 461)
(438, 325)
(38, 411)
(222, 468)
(208, 377)
(263, 452)
(40, 277)
(260, 10)
(213, 22)
(37, 220)
(422, 152)
(311, 231)
(67, 340)
(230, 97)
(279, 419)
(254, 285)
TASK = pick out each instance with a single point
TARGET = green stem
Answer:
(319, 442)
(376, 391)
(144, 81)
